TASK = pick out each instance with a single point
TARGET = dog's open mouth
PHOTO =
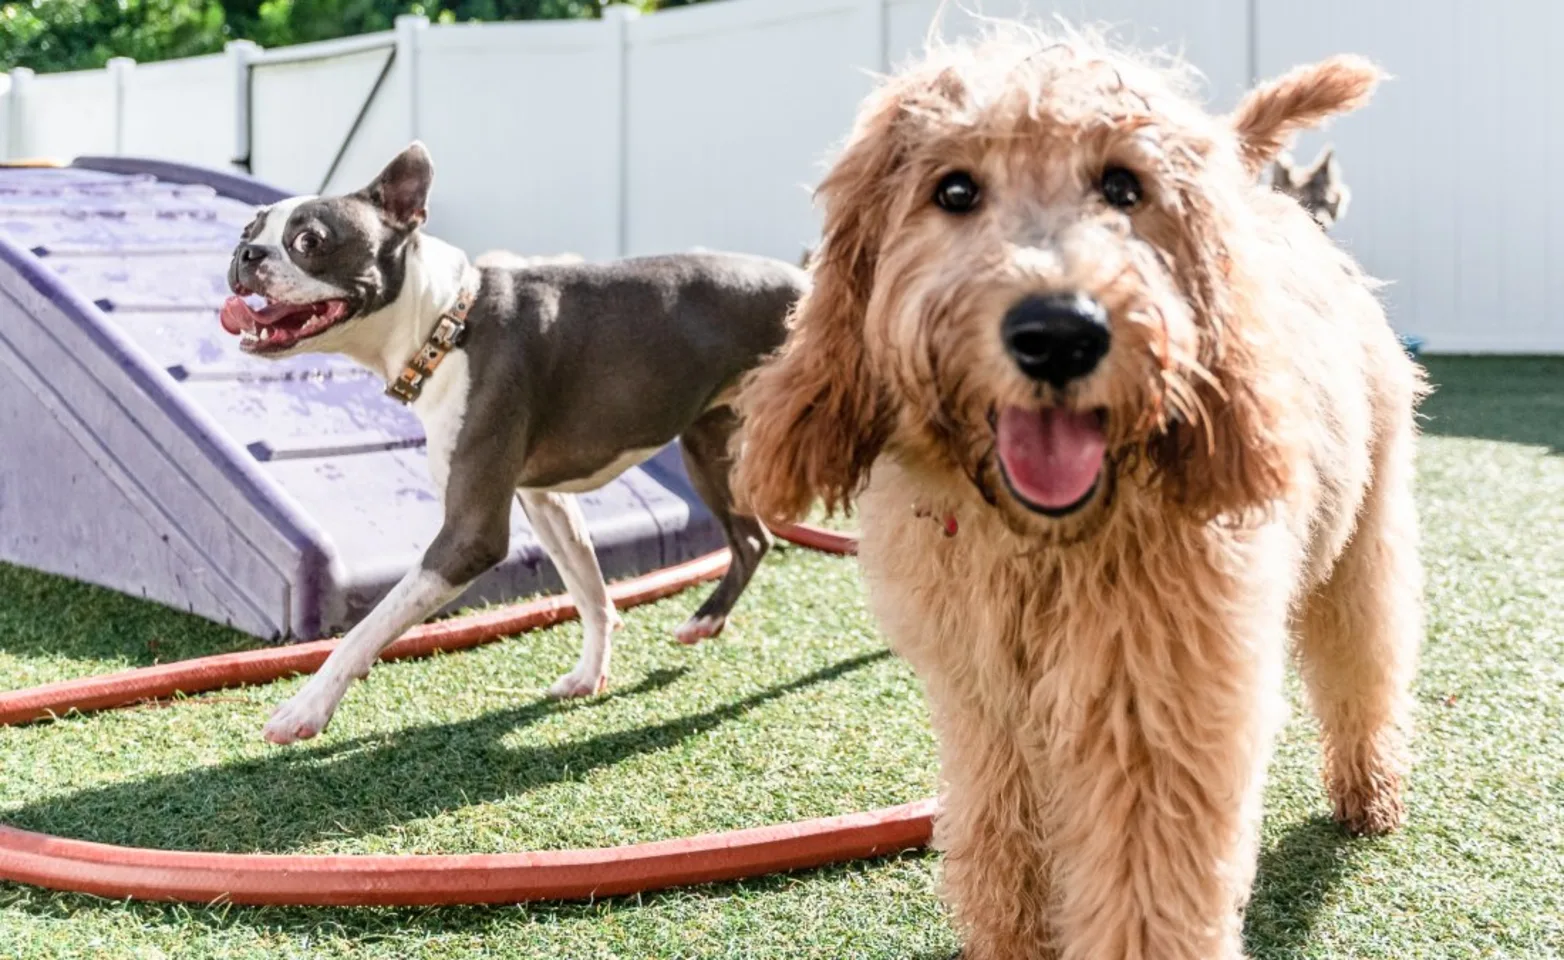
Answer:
(1051, 459)
(267, 326)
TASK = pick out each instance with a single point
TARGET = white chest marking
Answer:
(613, 469)
(442, 407)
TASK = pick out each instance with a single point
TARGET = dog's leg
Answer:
(1153, 744)
(706, 458)
(474, 537)
(1358, 645)
(995, 871)
(949, 613)
(557, 521)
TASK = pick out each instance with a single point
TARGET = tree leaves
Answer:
(52, 35)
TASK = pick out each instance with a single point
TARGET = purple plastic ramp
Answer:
(144, 452)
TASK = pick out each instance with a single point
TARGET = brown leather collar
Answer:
(447, 335)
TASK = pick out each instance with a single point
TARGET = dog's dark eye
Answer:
(306, 242)
(1121, 188)
(956, 193)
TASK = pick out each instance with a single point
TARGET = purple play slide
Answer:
(140, 450)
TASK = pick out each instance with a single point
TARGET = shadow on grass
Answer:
(45, 616)
(1511, 399)
(48, 616)
(1295, 876)
(293, 797)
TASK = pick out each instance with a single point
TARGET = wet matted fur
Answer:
(1106, 684)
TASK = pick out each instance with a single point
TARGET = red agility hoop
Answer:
(424, 880)
(106, 870)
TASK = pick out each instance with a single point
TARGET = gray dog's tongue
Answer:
(237, 316)
(1052, 457)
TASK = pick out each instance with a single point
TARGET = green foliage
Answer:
(276, 23)
(77, 34)
(49, 35)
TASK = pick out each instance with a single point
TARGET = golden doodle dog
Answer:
(1119, 421)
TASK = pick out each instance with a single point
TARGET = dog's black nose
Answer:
(1056, 338)
(251, 252)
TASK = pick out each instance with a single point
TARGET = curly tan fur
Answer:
(1106, 684)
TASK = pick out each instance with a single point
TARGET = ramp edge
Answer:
(231, 185)
(232, 462)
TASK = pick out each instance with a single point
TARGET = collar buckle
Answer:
(449, 332)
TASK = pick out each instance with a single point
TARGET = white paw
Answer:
(579, 683)
(302, 717)
(696, 629)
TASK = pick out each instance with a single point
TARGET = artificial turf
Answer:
(795, 712)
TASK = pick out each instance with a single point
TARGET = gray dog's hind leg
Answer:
(706, 458)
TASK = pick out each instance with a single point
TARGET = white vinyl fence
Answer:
(180, 109)
(1451, 166)
(526, 123)
(304, 100)
(65, 114)
(707, 125)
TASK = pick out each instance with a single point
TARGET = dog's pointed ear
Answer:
(1283, 172)
(816, 416)
(1273, 112)
(1326, 171)
(401, 191)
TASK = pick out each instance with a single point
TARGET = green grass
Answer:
(796, 712)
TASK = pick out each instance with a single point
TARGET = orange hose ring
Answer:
(818, 538)
(253, 667)
(113, 871)
(425, 880)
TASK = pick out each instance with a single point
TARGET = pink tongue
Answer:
(1052, 456)
(237, 316)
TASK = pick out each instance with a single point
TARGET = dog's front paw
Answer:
(301, 718)
(1369, 811)
(579, 683)
(696, 629)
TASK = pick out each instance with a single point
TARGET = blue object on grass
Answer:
(141, 450)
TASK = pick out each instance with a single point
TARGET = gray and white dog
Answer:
(553, 378)
(1318, 187)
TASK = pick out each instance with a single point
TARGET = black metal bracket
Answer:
(358, 121)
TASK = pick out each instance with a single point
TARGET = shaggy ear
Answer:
(1273, 112)
(402, 189)
(815, 417)
(1232, 460)
(1231, 448)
